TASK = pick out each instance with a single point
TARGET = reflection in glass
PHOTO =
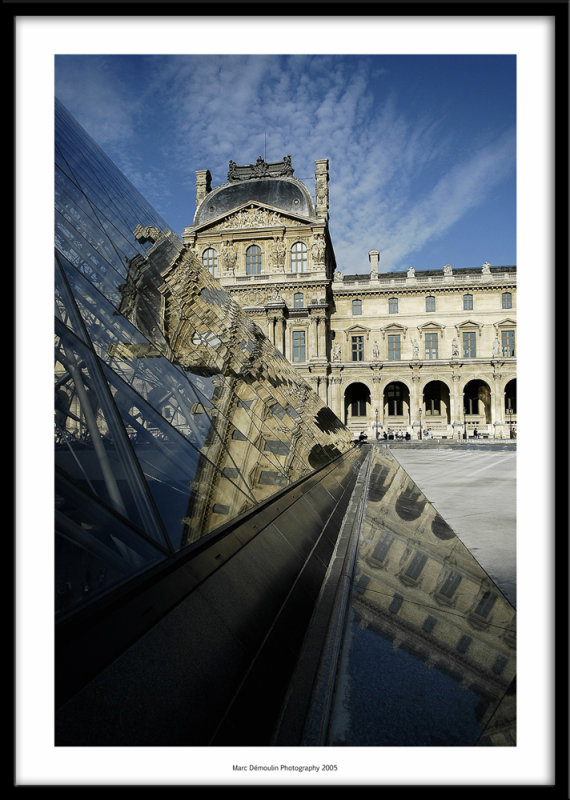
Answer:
(429, 653)
(173, 412)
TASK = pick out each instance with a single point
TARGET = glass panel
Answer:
(173, 412)
(89, 443)
(94, 549)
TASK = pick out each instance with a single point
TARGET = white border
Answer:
(38, 39)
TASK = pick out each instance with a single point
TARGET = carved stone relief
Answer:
(255, 218)
(229, 258)
(318, 248)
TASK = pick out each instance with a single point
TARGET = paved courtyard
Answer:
(474, 490)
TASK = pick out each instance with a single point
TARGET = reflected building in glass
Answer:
(203, 500)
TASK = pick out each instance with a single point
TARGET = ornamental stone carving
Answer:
(486, 268)
(229, 258)
(147, 234)
(447, 270)
(251, 297)
(253, 218)
(277, 256)
(261, 169)
(336, 352)
(275, 297)
(318, 248)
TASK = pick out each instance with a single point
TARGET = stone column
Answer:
(455, 406)
(280, 334)
(312, 337)
(335, 382)
(415, 402)
(271, 328)
(377, 401)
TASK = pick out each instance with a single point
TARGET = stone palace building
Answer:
(424, 352)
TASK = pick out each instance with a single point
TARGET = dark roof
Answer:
(364, 276)
(288, 194)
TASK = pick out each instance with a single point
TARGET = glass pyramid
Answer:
(174, 414)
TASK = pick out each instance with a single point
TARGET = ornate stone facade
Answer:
(420, 352)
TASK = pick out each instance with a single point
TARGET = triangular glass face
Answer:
(173, 409)
(202, 489)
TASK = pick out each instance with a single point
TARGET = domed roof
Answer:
(272, 189)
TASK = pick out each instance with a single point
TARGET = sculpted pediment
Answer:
(357, 330)
(508, 322)
(393, 327)
(253, 215)
(430, 326)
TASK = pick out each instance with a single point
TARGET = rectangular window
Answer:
(416, 565)
(358, 348)
(429, 624)
(508, 342)
(485, 604)
(467, 302)
(358, 408)
(430, 303)
(431, 345)
(396, 603)
(507, 300)
(298, 339)
(394, 347)
(393, 305)
(277, 447)
(381, 549)
(433, 405)
(469, 349)
(450, 584)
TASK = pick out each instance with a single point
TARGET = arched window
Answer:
(467, 302)
(299, 257)
(357, 308)
(393, 305)
(430, 303)
(507, 300)
(210, 260)
(253, 260)
(298, 300)
(394, 398)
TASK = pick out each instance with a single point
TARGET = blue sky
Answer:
(421, 147)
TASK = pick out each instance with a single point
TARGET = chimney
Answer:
(374, 258)
(203, 184)
(322, 188)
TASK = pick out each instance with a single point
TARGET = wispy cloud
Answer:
(400, 176)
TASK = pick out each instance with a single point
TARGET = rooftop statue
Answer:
(261, 169)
